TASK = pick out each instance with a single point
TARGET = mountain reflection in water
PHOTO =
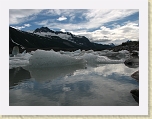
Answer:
(46, 74)
(18, 74)
(103, 85)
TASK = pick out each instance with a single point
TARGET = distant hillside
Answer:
(129, 45)
(44, 38)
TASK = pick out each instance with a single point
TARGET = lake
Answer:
(91, 84)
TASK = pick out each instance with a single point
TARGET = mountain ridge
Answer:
(58, 41)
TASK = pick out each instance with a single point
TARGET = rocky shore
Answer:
(134, 63)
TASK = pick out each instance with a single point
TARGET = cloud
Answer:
(72, 18)
(17, 16)
(18, 27)
(62, 18)
(97, 18)
(42, 23)
(64, 12)
(118, 33)
(116, 24)
(92, 19)
(21, 27)
(27, 25)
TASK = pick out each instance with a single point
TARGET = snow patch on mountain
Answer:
(49, 34)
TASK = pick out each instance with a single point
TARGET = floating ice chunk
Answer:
(66, 52)
(77, 54)
(19, 60)
(101, 53)
(106, 60)
(91, 58)
(62, 52)
(95, 53)
(118, 55)
(108, 53)
(123, 54)
(27, 56)
(135, 53)
(15, 50)
(89, 51)
(77, 51)
(32, 52)
(21, 56)
(43, 58)
(17, 63)
(82, 53)
(124, 51)
(105, 50)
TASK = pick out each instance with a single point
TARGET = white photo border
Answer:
(142, 109)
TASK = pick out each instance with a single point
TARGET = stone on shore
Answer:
(135, 94)
(132, 62)
(135, 75)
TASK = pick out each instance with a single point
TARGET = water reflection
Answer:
(18, 74)
(48, 74)
(104, 85)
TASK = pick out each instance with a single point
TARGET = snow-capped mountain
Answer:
(45, 31)
(111, 44)
(44, 38)
(42, 29)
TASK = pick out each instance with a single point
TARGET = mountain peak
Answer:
(42, 29)
(111, 44)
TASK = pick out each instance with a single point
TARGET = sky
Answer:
(98, 25)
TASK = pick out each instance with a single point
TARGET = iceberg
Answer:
(19, 60)
(17, 63)
(96, 59)
(15, 50)
(42, 58)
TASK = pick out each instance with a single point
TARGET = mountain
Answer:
(111, 44)
(42, 29)
(44, 38)
(81, 40)
(128, 45)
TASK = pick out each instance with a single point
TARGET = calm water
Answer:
(102, 85)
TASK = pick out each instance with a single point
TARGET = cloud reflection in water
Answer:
(104, 85)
